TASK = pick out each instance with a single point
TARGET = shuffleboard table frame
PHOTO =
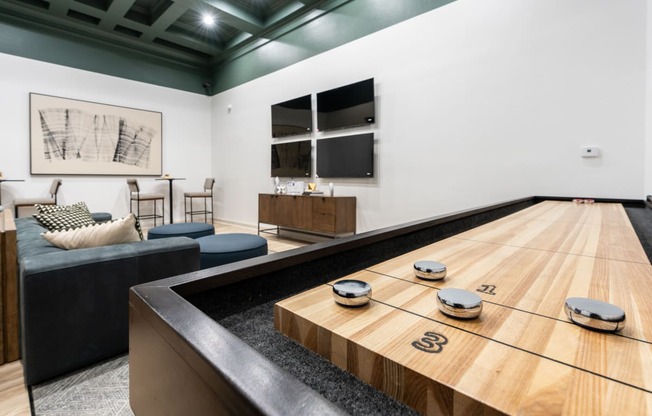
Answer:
(183, 362)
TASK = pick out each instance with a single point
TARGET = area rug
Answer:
(100, 390)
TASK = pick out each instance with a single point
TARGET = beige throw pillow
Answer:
(119, 231)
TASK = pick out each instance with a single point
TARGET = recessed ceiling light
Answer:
(208, 19)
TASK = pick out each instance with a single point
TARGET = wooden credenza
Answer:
(325, 215)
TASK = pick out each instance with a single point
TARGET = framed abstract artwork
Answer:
(76, 137)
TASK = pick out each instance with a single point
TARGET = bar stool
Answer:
(30, 202)
(207, 195)
(136, 195)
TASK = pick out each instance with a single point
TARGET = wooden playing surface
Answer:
(522, 355)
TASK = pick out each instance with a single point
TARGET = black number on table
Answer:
(488, 289)
(431, 342)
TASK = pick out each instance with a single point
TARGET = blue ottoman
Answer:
(101, 216)
(182, 229)
(219, 249)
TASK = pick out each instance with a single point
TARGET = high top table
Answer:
(170, 180)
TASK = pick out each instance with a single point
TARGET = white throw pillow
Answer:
(120, 231)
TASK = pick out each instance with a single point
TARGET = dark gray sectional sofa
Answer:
(74, 303)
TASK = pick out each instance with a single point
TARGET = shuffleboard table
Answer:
(520, 356)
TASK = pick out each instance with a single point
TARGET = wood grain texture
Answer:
(318, 214)
(14, 398)
(9, 290)
(522, 355)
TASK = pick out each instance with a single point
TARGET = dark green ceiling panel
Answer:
(173, 52)
(77, 52)
(351, 20)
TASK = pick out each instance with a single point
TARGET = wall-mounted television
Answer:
(346, 157)
(292, 159)
(292, 117)
(348, 106)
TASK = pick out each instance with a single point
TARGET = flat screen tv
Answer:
(348, 106)
(292, 160)
(292, 117)
(346, 157)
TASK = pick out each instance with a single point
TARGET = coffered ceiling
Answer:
(169, 29)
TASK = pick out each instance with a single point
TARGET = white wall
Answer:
(186, 133)
(478, 102)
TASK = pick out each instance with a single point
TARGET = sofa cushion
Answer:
(120, 231)
(50, 209)
(139, 229)
(69, 217)
(29, 240)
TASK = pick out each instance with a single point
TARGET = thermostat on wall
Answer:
(590, 151)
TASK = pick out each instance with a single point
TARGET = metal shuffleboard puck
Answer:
(595, 314)
(459, 303)
(352, 292)
(429, 270)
